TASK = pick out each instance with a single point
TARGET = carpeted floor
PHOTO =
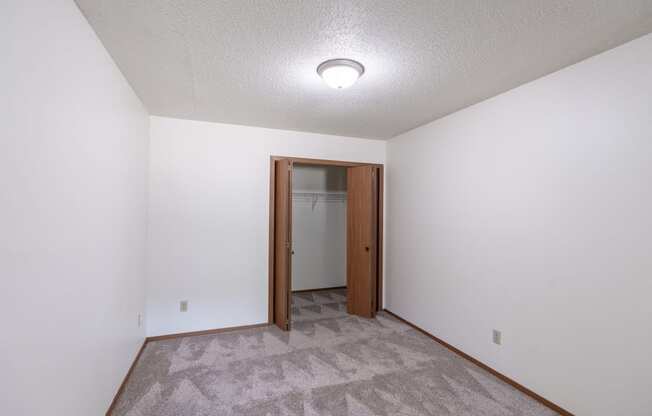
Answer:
(330, 364)
(318, 305)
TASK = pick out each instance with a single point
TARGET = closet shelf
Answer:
(319, 196)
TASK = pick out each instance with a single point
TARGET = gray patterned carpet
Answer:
(318, 305)
(330, 364)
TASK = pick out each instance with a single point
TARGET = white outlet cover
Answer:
(497, 337)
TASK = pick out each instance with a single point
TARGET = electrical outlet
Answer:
(497, 337)
(183, 306)
(140, 320)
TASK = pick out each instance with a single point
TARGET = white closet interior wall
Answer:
(318, 227)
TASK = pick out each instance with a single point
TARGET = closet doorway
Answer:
(326, 253)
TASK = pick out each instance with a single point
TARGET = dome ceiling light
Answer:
(340, 73)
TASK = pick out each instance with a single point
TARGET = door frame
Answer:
(272, 197)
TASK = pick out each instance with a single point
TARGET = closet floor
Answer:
(318, 305)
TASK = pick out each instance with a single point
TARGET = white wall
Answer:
(73, 166)
(531, 213)
(319, 229)
(208, 217)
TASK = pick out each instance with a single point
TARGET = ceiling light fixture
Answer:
(340, 73)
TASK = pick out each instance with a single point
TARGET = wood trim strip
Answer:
(205, 332)
(381, 228)
(324, 162)
(319, 290)
(271, 249)
(485, 367)
(114, 402)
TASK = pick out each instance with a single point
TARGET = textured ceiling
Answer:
(253, 62)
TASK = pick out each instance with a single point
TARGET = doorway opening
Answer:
(325, 239)
(318, 254)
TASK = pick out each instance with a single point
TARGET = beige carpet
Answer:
(318, 305)
(330, 364)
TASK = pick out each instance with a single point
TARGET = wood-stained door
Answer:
(362, 240)
(282, 243)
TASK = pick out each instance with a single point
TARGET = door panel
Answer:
(282, 242)
(362, 237)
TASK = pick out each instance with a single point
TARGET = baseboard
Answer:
(205, 332)
(319, 290)
(124, 381)
(480, 364)
(171, 336)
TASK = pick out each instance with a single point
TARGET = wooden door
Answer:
(362, 240)
(282, 242)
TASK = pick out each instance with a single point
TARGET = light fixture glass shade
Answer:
(340, 73)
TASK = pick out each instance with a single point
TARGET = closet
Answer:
(318, 254)
(325, 240)
(318, 227)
